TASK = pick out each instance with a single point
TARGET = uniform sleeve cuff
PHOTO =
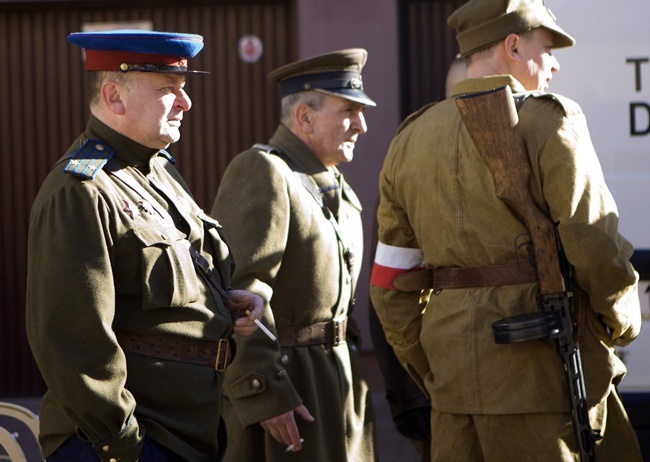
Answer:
(124, 446)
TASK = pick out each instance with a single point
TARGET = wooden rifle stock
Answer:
(492, 119)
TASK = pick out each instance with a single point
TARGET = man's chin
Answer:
(171, 137)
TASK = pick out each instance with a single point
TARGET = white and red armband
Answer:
(391, 261)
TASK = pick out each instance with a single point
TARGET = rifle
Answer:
(492, 119)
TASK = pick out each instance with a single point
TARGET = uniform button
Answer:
(112, 459)
(256, 384)
(282, 374)
(106, 448)
(284, 360)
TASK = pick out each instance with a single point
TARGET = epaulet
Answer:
(267, 148)
(414, 116)
(569, 106)
(167, 156)
(89, 159)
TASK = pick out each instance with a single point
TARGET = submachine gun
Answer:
(492, 119)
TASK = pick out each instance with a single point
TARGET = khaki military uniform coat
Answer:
(101, 261)
(437, 195)
(287, 251)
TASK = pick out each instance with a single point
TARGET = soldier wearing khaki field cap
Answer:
(497, 402)
(297, 240)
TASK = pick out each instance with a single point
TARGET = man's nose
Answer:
(183, 100)
(555, 64)
(359, 123)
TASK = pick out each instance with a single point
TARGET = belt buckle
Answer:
(223, 355)
(338, 331)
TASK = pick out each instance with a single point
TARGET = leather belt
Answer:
(321, 333)
(216, 355)
(459, 278)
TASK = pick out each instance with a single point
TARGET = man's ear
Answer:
(112, 97)
(303, 118)
(511, 46)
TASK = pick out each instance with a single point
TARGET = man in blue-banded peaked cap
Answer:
(130, 311)
(299, 244)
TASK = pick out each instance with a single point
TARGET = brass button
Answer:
(284, 360)
(112, 459)
(256, 384)
(282, 374)
(99, 147)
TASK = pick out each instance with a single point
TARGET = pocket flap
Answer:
(158, 235)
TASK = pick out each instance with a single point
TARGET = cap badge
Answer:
(355, 84)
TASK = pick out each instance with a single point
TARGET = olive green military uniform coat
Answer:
(101, 260)
(287, 251)
(437, 195)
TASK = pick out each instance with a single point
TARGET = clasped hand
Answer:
(245, 308)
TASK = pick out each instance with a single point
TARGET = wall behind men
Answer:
(41, 86)
(44, 110)
(410, 48)
(373, 25)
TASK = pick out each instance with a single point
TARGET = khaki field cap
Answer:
(337, 73)
(481, 23)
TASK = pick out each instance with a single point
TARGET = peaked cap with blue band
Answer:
(127, 50)
(337, 73)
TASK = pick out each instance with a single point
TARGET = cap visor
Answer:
(353, 95)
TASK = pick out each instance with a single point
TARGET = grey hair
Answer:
(313, 99)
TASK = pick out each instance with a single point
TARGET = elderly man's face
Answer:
(154, 105)
(336, 126)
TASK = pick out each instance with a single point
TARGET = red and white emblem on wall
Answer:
(250, 48)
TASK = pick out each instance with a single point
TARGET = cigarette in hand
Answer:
(268, 333)
(290, 447)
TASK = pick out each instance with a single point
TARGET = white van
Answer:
(608, 73)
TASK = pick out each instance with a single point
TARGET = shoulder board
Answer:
(167, 156)
(89, 159)
(414, 116)
(569, 106)
(267, 148)
(273, 150)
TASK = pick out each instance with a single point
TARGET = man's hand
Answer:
(240, 302)
(283, 427)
